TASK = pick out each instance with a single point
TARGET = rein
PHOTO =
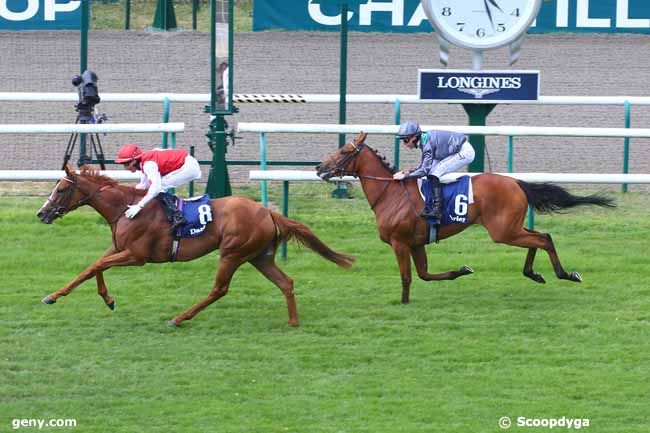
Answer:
(349, 157)
(381, 194)
(66, 207)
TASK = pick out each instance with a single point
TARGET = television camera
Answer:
(86, 85)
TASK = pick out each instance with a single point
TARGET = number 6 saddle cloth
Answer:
(456, 198)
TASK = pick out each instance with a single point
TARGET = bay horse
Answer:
(242, 229)
(500, 205)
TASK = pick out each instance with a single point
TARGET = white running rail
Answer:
(484, 130)
(582, 178)
(91, 128)
(310, 98)
(47, 175)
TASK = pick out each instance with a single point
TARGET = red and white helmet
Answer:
(128, 153)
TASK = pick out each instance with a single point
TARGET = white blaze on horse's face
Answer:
(51, 208)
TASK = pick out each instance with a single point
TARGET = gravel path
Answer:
(282, 62)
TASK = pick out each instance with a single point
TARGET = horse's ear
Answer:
(69, 170)
(86, 168)
(361, 138)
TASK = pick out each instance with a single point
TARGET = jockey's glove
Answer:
(132, 211)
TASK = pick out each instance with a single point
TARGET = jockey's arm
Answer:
(150, 169)
(144, 181)
(425, 165)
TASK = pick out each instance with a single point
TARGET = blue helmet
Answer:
(408, 129)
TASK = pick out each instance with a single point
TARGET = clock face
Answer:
(481, 24)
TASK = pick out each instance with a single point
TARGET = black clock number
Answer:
(446, 12)
(461, 26)
(501, 28)
(480, 32)
(516, 13)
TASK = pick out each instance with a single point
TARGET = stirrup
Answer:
(177, 220)
(434, 212)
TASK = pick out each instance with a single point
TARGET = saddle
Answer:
(456, 198)
(197, 213)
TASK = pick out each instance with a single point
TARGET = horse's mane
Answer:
(383, 160)
(96, 177)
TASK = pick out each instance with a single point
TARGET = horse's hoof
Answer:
(172, 324)
(293, 323)
(574, 276)
(466, 270)
(538, 278)
(48, 300)
(111, 305)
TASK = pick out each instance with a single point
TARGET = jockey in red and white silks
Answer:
(161, 169)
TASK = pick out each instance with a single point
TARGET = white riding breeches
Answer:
(453, 162)
(189, 171)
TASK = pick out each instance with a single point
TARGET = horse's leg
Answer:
(108, 260)
(103, 291)
(402, 253)
(557, 266)
(533, 240)
(227, 268)
(528, 266)
(419, 255)
(266, 265)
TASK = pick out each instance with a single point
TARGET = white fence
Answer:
(286, 176)
(92, 128)
(510, 131)
(483, 130)
(47, 175)
(581, 178)
(310, 98)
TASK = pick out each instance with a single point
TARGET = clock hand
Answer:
(489, 13)
(496, 5)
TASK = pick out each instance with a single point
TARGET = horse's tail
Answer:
(546, 197)
(289, 229)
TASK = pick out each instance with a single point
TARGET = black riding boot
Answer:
(175, 216)
(433, 203)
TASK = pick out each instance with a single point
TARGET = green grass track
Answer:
(462, 355)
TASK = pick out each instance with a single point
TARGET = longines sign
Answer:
(478, 86)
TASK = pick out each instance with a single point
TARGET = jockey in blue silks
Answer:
(442, 152)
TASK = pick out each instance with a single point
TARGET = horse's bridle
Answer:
(339, 171)
(339, 168)
(65, 207)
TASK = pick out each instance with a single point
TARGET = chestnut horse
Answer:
(242, 229)
(500, 205)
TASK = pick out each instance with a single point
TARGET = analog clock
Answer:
(481, 24)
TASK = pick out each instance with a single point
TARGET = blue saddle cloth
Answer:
(197, 213)
(455, 200)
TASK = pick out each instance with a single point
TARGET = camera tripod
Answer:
(95, 146)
